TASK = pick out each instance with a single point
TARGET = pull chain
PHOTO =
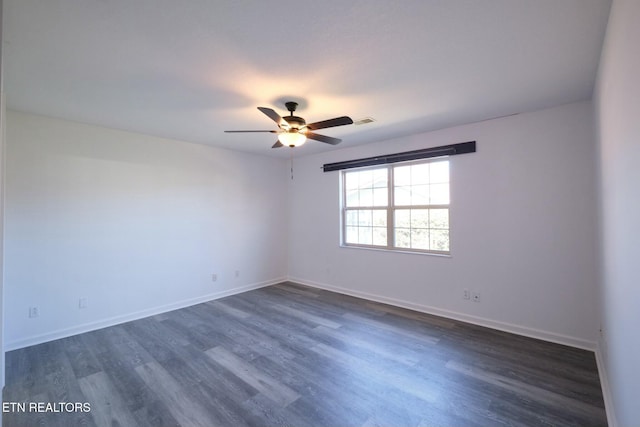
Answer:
(291, 159)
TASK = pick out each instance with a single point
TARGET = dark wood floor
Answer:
(289, 355)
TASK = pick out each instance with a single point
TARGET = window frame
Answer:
(391, 208)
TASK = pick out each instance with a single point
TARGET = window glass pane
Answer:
(420, 174)
(402, 218)
(439, 240)
(403, 238)
(402, 196)
(380, 196)
(366, 197)
(419, 218)
(402, 175)
(439, 194)
(439, 218)
(419, 238)
(353, 198)
(420, 195)
(351, 218)
(379, 236)
(352, 235)
(366, 179)
(365, 236)
(380, 218)
(380, 178)
(351, 180)
(439, 172)
(364, 218)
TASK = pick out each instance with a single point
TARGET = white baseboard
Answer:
(604, 383)
(104, 323)
(480, 321)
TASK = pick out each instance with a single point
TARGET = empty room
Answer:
(289, 213)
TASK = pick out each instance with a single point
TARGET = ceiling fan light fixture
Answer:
(292, 138)
(293, 131)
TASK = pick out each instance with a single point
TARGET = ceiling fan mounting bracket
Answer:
(291, 106)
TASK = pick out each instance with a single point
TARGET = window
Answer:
(400, 206)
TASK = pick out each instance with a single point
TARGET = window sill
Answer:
(398, 251)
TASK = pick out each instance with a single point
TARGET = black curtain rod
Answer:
(444, 150)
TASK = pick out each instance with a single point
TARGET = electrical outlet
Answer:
(34, 312)
(83, 302)
(466, 294)
(475, 296)
(214, 277)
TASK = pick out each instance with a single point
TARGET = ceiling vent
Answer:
(364, 121)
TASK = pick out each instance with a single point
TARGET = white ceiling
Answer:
(190, 69)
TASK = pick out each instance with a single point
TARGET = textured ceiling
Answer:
(190, 69)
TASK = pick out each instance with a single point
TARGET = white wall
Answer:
(135, 224)
(617, 105)
(523, 218)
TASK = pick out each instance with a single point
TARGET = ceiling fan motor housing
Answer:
(295, 121)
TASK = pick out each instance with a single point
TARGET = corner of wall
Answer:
(604, 382)
(615, 112)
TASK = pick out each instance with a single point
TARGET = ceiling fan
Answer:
(293, 130)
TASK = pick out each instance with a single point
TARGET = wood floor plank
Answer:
(82, 359)
(54, 382)
(291, 345)
(380, 348)
(108, 409)
(294, 288)
(307, 316)
(122, 374)
(185, 410)
(127, 347)
(205, 370)
(153, 415)
(394, 379)
(528, 391)
(380, 324)
(261, 412)
(317, 306)
(270, 387)
(156, 340)
(336, 389)
(230, 310)
(410, 314)
(243, 339)
(562, 382)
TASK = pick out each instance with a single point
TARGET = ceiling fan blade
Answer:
(338, 121)
(244, 131)
(323, 138)
(272, 115)
(278, 144)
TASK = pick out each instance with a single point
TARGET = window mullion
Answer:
(390, 203)
(343, 238)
